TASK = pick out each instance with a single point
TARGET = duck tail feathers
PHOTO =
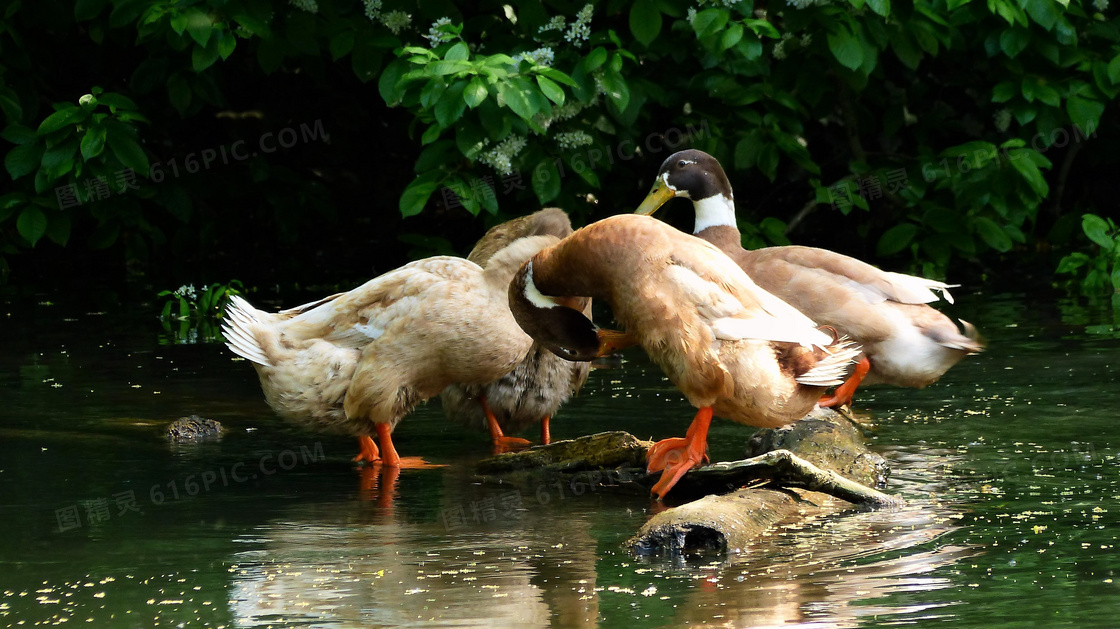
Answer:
(239, 328)
(833, 368)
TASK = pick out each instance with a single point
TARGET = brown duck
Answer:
(905, 342)
(732, 348)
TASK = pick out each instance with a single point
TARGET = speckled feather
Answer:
(369, 355)
(542, 382)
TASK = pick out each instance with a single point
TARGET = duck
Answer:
(536, 388)
(733, 349)
(356, 362)
(905, 341)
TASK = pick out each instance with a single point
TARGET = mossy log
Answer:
(193, 428)
(794, 470)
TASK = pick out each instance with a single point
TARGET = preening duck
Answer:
(733, 349)
(357, 362)
(539, 384)
(905, 342)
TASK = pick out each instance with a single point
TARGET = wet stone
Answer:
(193, 428)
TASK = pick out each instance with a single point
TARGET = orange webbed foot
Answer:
(844, 393)
(676, 456)
(510, 444)
(368, 451)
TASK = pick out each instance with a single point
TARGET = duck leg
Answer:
(389, 458)
(368, 453)
(502, 443)
(546, 436)
(843, 393)
(675, 455)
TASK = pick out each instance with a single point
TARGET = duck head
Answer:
(562, 330)
(697, 176)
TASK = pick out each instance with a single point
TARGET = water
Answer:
(1009, 466)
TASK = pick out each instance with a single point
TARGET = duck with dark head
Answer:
(905, 342)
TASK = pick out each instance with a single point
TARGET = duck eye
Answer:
(682, 163)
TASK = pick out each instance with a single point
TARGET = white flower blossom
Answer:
(500, 158)
(806, 39)
(555, 24)
(311, 6)
(541, 56)
(1100, 5)
(1002, 120)
(396, 21)
(691, 14)
(800, 4)
(373, 9)
(187, 291)
(573, 139)
(780, 47)
(436, 36)
(580, 30)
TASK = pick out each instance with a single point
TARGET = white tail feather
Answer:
(833, 369)
(910, 289)
(240, 339)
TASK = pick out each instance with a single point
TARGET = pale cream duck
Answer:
(905, 342)
(536, 388)
(357, 362)
(732, 348)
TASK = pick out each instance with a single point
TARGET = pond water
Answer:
(1009, 465)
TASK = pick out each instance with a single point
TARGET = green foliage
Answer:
(932, 129)
(1097, 274)
(194, 313)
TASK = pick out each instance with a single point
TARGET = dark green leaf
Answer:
(747, 150)
(342, 44)
(768, 161)
(1096, 229)
(617, 89)
(709, 22)
(730, 37)
(199, 25)
(9, 104)
(366, 59)
(458, 52)
(451, 105)
(516, 100)
(1072, 262)
(846, 47)
(992, 234)
(645, 21)
(1004, 92)
(546, 181)
(1029, 170)
(595, 59)
(61, 119)
(896, 239)
(117, 101)
(1085, 113)
(19, 134)
(388, 85)
(227, 42)
(1114, 70)
(93, 142)
(32, 224)
(475, 92)
(204, 56)
(128, 152)
(882, 7)
(417, 193)
(557, 76)
(23, 159)
(1044, 12)
(1014, 40)
(550, 89)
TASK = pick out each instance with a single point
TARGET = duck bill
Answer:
(656, 198)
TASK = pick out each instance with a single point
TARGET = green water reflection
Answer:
(1009, 465)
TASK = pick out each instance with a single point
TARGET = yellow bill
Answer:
(658, 195)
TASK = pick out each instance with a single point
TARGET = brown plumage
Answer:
(356, 362)
(728, 345)
(905, 342)
(536, 388)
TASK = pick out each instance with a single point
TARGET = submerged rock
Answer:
(193, 428)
